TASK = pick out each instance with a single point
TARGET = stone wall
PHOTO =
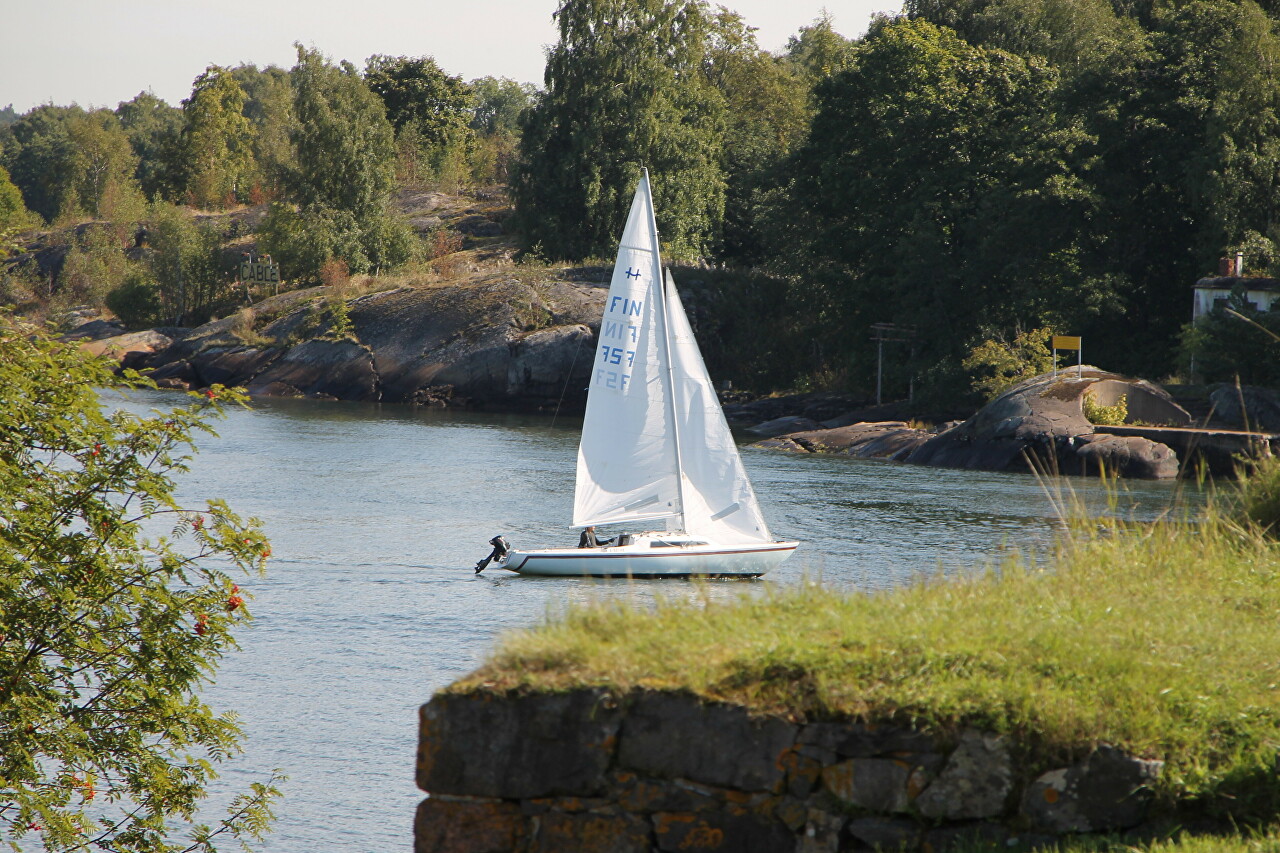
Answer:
(587, 770)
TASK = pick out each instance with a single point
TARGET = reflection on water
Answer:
(377, 515)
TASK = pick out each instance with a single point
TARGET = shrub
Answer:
(1105, 415)
(136, 301)
(443, 241)
(996, 365)
(304, 239)
(1257, 498)
(94, 267)
(1243, 346)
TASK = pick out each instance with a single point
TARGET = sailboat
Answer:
(655, 445)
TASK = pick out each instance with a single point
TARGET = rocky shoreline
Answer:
(495, 342)
(516, 341)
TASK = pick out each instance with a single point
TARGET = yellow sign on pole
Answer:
(1066, 342)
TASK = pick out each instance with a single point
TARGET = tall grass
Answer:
(1161, 639)
(1256, 501)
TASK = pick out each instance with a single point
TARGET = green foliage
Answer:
(941, 188)
(137, 300)
(1084, 35)
(1225, 348)
(416, 91)
(818, 51)
(996, 365)
(1113, 415)
(13, 213)
(186, 264)
(116, 605)
(268, 106)
(343, 142)
(342, 180)
(155, 131)
(38, 154)
(72, 163)
(734, 310)
(217, 140)
(1186, 115)
(302, 240)
(1261, 254)
(1257, 500)
(431, 112)
(497, 104)
(340, 326)
(767, 113)
(625, 89)
(95, 264)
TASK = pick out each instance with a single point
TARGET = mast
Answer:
(666, 346)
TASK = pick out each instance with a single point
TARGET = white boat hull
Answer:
(644, 561)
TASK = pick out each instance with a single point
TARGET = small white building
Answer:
(1260, 293)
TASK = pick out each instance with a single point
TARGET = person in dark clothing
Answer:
(588, 539)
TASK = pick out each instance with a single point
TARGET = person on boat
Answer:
(589, 539)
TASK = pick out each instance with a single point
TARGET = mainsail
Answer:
(626, 462)
(654, 441)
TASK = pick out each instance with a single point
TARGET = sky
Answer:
(97, 53)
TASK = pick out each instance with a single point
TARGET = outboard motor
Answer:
(499, 554)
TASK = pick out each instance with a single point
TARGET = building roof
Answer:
(1229, 282)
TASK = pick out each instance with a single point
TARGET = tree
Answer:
(625, 89)
(40, 155)
(155, 130)
(997, 365)
(217, 140)
(102, 168)
(940, 188)
(1241, 345)
(72, 162)
(497, 104)
(430, 112)
(93, 266)
(767, 113)
(818, 51)
(1185, 110)
(343, 141)
(185, 263)
(416, 91)
(1073, 35)
(115, 607)
(268, 106)
(342, 179)
(13, 213)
